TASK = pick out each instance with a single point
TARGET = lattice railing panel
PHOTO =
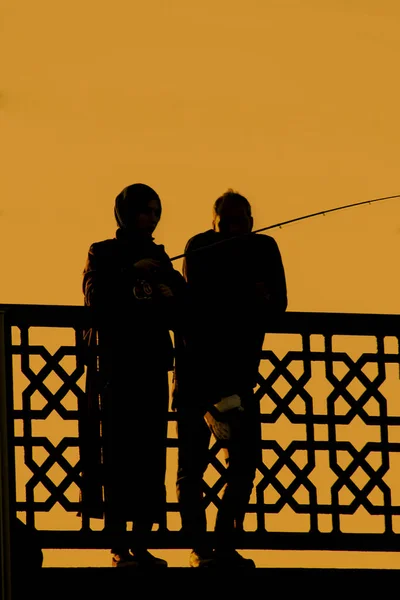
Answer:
(329, 390)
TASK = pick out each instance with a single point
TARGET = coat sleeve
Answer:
(90, 278)
(97, 280)
(194, 267)
(176, 282)
(274, 277)
(174, 307)
(106, 285)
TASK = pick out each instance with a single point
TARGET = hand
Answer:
(147, 266)
(220, 429)
(165, 290)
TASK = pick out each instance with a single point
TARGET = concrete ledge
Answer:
(98, 583)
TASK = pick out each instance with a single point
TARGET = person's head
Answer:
(232, 214)
(138, 209)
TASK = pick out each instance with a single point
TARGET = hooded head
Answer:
(138, 209)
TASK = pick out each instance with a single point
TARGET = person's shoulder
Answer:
(205, 238)
(159, 251)
(103, 247)
(264, 241)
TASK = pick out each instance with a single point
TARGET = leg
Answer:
(115, 522)
(136, 460)
(243, 453)
(147, 478)
(120, 552)
(194, 440)
(141, 530)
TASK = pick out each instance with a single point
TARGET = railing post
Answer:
(5, 476)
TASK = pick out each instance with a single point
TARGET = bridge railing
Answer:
(329, 391)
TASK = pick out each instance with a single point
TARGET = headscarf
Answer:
(131, 201)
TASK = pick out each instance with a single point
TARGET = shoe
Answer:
(201, 560)
(232, 558)
(143, 558)
(123, 559)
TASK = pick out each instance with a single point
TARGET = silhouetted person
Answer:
(234, 288)
(132, 288)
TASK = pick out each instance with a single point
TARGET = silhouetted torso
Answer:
(129, 394)
(136, 328)
(225, 332)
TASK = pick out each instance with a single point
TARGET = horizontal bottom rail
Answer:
(177, 540)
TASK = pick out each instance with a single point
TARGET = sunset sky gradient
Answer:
(294, 103)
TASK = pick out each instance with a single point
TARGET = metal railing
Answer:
(329, 390)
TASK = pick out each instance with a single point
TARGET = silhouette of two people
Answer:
(232, 284)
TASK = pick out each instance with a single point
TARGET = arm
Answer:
(170, 290)
(272, 289)
(175, 281)
(107, 285)
(92, 285)
(194, 267)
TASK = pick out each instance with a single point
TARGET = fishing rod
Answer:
(282, 223)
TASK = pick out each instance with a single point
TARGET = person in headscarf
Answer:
(133, 292)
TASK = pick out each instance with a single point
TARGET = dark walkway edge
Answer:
(95, 583)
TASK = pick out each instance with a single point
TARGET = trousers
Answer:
(242, 452)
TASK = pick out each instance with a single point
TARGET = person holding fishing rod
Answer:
(133, 292)
(237, 283)
(234, 289)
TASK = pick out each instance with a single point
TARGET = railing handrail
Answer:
(339, 323)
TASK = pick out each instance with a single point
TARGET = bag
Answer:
(143, 290)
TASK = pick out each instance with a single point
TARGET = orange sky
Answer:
(293, 103)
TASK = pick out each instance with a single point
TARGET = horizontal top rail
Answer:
(43, 315)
